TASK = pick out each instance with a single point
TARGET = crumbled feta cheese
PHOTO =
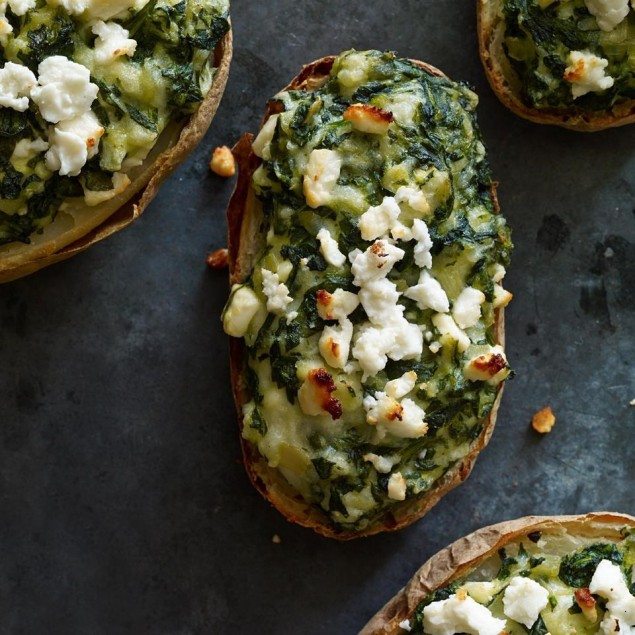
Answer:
(397, 487)
(353, 72)
(26, 149)
(429, 294)
(315, 394)
(20, 7)
(499, 272)
(403, 107)
(98, 9)
(609, 582)
(423, 257)
(65, 90)
(322, 171)
(112, 42)
(243, 306)
(467, 307)
(413, 197)
(72, 143)
(371, 348)
(336, 305)
(379, 299)
(330, 249)
(405, 420)
(5, 29)
(490, 366)
(586, 73)
(120, 182)
(405, 626)
(524, 599)
(447, 326)
(376, 262)
(383, 464)
(460, 615)
(608, 13)
(435, 347)
(335, 343)
(262, 143)
(277, 293)
(16, 84)
(400, 387)
(502, 297)
(368, 119)
(379, 220)
(284, 269)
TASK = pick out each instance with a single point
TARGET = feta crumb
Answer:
(243, 306)
(322, 172)
(112, 41)
(608, 13)
(335, 343)
(16, 84)
(65, 90)
(429, 294)
(502, 297)
(276, 540)
(491, 366)
(586, 73)
(368, 119)
(413, 197)
(405, 625)
(405, 420)
(72, 143)
(262, 143)
(524, 599)
(336, 305)
(330, 249)
(467, 307)
(277, 293)
(609, 582)
(543, 421)
(499, 272)
(420, 232)
(435, 347)
(20, 7)
(447, 326)
(379, 299)
(5, 29)
(400, 387)
(98, 9)
(383, 464)
(379, 220)
(376, 262)
(26, 149)
(460, 615)
(397, 487)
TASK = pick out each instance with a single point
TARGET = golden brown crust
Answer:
(101, 221)
(459, 558)
(244, 221)
(505, 83)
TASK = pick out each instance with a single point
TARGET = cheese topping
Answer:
(112, 42)
(16, 84)
(608, 13)
(460, 615)
(586, 73)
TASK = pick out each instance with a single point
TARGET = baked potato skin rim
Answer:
(189, 137)
(266, 480)
(571, 118)
(464, 554)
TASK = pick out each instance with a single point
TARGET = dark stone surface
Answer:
(124, 507)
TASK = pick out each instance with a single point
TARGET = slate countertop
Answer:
(124, 505)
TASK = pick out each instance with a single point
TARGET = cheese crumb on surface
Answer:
(322, 171)
(586, 73)
(335, 343)
(112, 42)
(383, 464)
(490, 366)
(405, 626)
(243, 306)
(429, 294)
(456, 615)
(276, 540)
(20, 7)
(368, 119)
(262, 143)
(608, 13)
(65, 90)
(277, 293)
(223, 162)
(26, 149)
(330, 249)
(98, 9)
(543, 421)
(524, 599)
(414, 197)
(467, 307)
(16, 84)
(609, 582)
(397, 487)
(378, 221)
(336, 305)
(420, 232)
(447, 326)
(404, 419)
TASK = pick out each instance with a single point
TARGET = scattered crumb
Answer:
(632, 402)
(543, 421)
(276, 540)
(218, 259)
(609, 253)
(223, 162)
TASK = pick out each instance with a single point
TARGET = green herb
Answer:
(577, 569)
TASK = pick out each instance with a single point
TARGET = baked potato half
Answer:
(569, 63)
(99, 102)
(366, 314)
(539, 574)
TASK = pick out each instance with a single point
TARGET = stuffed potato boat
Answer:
(565, 62)
(99, 102)
(562, 575)
(366, 257)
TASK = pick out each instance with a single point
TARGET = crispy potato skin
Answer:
(460, 557)
(243, 222)
(503, 80)
(150, 180)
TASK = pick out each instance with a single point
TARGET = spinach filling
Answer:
(436, 143)
(163, 82)
(538, 41)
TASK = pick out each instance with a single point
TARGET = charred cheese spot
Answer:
(368, 119)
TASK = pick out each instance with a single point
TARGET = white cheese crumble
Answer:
(374, 263)
(447, 326)
(397, 487)
(524, 599)
(335, 343)
(420, 232)
(336, 305)
(586, 73)
(330, 249)
(72, 143)
(460, 615)
(608, 13)
(322, 171)
(383, 464)
(19, 7)
(16, 84)
(404, 419)
(429, 294)
(467, 307)
(65, 90)
(379, 220)
(262, 143)
(609, 582)
(112, 41)
(26, 149)
(400, 387)
(98, 9)
(405, 626)
(277, 293)
(482, 368)
(413, 197)
(242, 308)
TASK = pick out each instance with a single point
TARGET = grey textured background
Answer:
(123, 504)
